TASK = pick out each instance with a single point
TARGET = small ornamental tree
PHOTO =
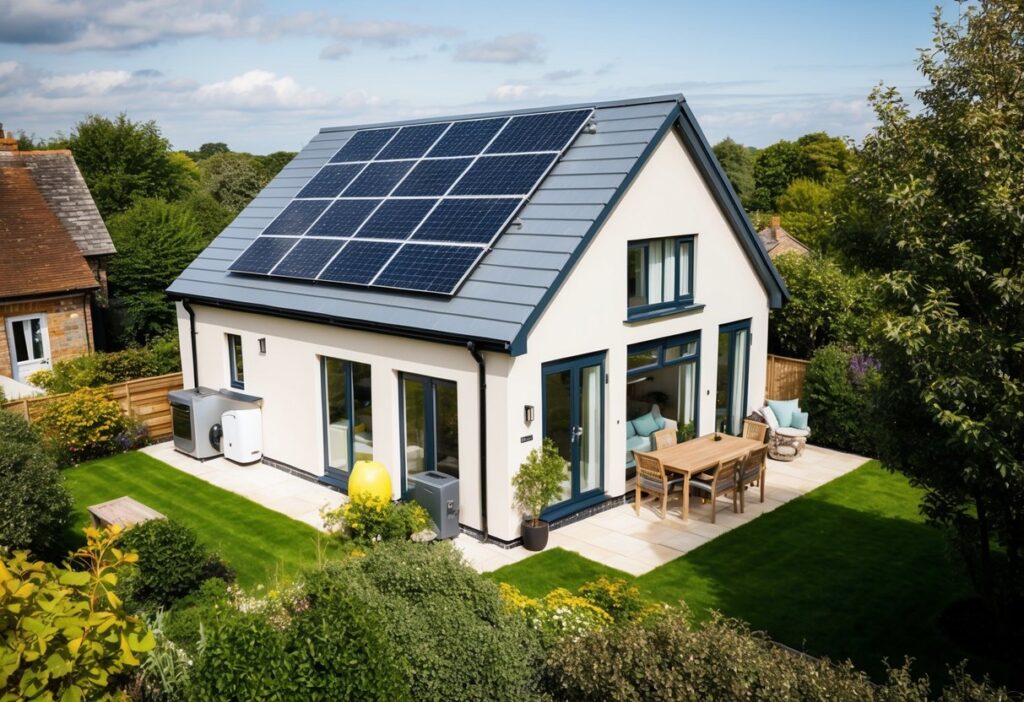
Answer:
(539, 480)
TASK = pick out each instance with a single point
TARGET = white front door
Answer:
(29, 343)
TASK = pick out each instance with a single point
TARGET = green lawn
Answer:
(848, 571)
(260, 544)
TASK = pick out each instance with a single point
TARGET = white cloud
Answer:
(14, 76)
(79, 84)
(557, 76)
(511, 48)
(516, 92)
(258, 90)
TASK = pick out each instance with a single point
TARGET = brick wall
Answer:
(69, 322)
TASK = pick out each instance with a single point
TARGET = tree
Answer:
(775, 167)
(211, 216)
(823, 156)
(806, 209)
(944, 189)
(232, 179)
(123, 161)
(272, 163)
(737, 161)
(211, 149)
(155, 241)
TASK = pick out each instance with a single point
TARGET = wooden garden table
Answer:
(698, 455)
(124, 511)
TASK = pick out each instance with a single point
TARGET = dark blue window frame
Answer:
(336, 476)
(236, 370)
(679, 302)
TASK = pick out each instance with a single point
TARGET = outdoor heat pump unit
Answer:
(243, 435)
(196, 418)
(438, 493)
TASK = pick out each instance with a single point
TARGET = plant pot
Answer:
(535, 538)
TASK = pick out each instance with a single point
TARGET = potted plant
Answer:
(537, 484)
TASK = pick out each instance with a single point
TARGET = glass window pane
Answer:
(722, 382)
(447, 423)
(20, 347)
(590, 423)
(685, 256)
(637, 277)
(37, 338)
(558, 419)
(236, 362)
(338, 425)
(669, 270)
(673, 353)
(413, 392)
(655, 272)
(687, 393)
(738, 381)
(362, 432)
(641, 359)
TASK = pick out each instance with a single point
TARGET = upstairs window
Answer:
(235, 361)
(659, 274)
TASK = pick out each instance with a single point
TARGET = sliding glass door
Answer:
(430, 427)
(574, 419)
(733, 370)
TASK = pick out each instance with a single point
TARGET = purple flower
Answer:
(861, 364)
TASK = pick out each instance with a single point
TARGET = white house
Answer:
(442, 294)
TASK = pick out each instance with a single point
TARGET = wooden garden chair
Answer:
(652, 479)
(719, 481)
(663, 438)
(754, 430)
(752, 472)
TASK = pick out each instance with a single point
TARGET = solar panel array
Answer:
(412, 208)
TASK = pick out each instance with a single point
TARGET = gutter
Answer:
(478, 357)
(186, 303)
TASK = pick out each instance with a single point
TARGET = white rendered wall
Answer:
(667, 198)
(287, 377)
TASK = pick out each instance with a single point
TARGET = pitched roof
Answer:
(778, 241)
(502, 298)
(61, 183)
(38, 254)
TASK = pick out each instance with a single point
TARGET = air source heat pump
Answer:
(243, 435)
(196, 418)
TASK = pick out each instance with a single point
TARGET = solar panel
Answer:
(396, 219)
(432, 176)
(343, 218)
(330, 181)
(364, 145)
(429, 268)
(296, 218)
(504, 175)
(412, 208)
(413, 142)
(378, 178)
(468, 220)
(307, 258)
(262, 255)
(359, 262)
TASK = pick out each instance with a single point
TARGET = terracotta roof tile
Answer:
(37, 253)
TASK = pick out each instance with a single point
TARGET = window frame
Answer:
(678, 302)
(235, 378)
(661, 345)
(332, 474)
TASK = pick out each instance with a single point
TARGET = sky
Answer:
(265, 76)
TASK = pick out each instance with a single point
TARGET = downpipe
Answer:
(478, 357)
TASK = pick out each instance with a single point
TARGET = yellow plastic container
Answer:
(369, 479)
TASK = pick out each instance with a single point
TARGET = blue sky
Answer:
(264, 76)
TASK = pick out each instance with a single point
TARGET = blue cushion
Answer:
(783, 410)
(799, 420)
(647, 424)
(630, 430)
(638, 443)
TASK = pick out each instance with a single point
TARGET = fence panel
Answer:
(785, 378)
(144, 398)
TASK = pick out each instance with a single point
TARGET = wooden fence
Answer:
(785, 378)
(144, 398)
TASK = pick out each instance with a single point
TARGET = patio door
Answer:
(29, 342)
(430, 427)
(574, 419)
(733, 368)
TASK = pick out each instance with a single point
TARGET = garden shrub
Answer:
(838, 391)
(88, 424)
(35, 507)
(95, 370)
(670, 659)
(367, 519)
(171, 563)
(618, 598)
(557, 615)
(64, 633)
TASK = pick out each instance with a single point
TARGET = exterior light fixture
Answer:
(528, 413)
(263, 345)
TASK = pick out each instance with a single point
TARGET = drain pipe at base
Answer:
(478, 357)
(192, 340)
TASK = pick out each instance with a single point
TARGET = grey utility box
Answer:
(438, 493)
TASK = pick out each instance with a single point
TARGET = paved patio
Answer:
(616, 537)
(274, 489)
(620, 539)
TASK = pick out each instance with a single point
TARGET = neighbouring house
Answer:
(441, 294)
(778, 241)
(53, 263)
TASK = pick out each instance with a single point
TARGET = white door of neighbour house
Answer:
(29, 343)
